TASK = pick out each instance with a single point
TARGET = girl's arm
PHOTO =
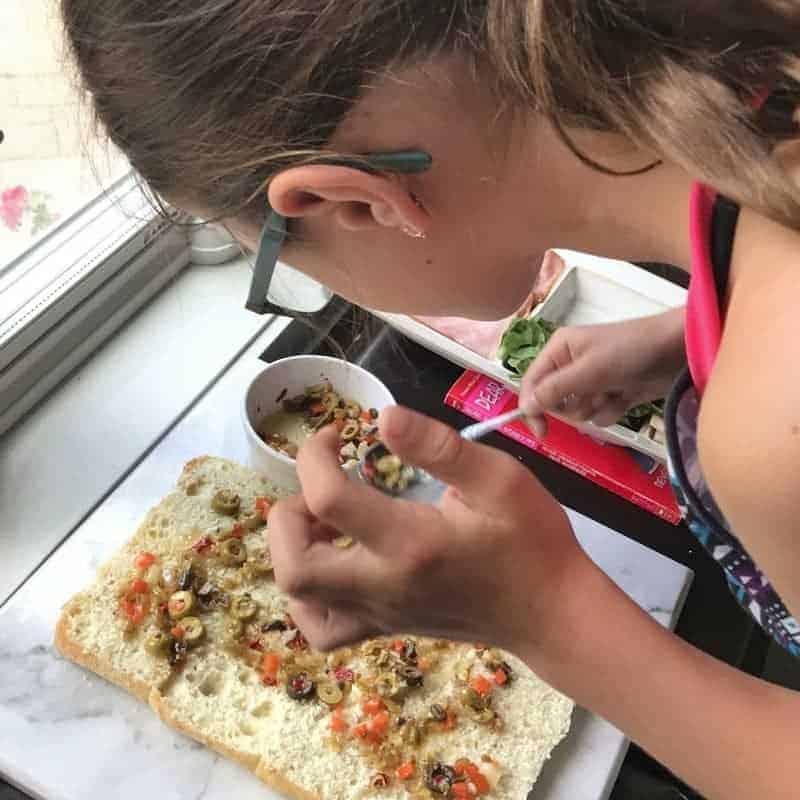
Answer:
(726, 733)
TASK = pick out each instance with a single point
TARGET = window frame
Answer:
(102, 263)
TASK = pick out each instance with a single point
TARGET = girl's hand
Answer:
(598, 372)
(488, 563)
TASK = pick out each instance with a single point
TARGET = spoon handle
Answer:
(479, 429)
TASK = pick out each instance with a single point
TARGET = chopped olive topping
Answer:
(350, 431)
(180, 604)
(504, 666)
(193, 630)
(483, 716)
(261, 561)
(294, 405)
(185, 578)
(251, 520)
(276, 625)
(233, 553)
(206, 595)
(300, 686)
(439, 778)
(437, 712)
(386, 471)
(319, 390)
(157, 643)
(380, 781)
(472, 700)
(388, 464)
(226, 502)
(329, 693)
(343, 542)
(409, 651)
(244, 607)
(411, 735)
(411, 675)
(331, 401)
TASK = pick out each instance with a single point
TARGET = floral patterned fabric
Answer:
(749, 585)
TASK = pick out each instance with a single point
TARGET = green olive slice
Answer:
(227, 502)
(484, 716)
(353, 409)
(156, 643)
(261, 561)
(251, 520)
(193, 630)
(388, 464)
(232, 552)
(243, 607)
(318, 390)
(329, 693)
(331, 401)
(350, 431)
(472, 700)
(180, 604)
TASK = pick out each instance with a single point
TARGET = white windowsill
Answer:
(68, 452)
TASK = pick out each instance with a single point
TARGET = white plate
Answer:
(591, 290)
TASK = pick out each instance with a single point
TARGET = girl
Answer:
(420, 157)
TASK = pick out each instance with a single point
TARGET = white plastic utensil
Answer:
(425, 488)
(480, 429)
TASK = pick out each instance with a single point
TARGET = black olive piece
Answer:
(401, 721)
(409, 651)
(276, 625)
(300, 686)
(439, 778)
(186, 579)
(207, 596)
(411, 675)
(177, 651)
(505, 667)
(438, 714)
(294, 404)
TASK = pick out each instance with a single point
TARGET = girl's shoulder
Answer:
(749, 427)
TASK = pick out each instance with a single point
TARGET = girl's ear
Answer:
(356, 200)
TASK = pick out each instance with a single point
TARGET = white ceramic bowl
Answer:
(289, 377)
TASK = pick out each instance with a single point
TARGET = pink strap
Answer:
(703, 323)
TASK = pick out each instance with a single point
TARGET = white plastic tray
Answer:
(591, 291)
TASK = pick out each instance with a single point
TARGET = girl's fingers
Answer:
(355, 509)
(584, 378)
(307, 565)
(608, 413)
(327, 628)
(482, 474)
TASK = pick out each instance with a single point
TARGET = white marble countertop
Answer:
(66, 735)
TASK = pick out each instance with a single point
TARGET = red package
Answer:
(625, 472)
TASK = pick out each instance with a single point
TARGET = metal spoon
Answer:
(424, 488)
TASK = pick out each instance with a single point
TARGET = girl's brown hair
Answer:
(210, 98)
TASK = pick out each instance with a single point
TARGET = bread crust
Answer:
(162, 707)
(74, 652)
